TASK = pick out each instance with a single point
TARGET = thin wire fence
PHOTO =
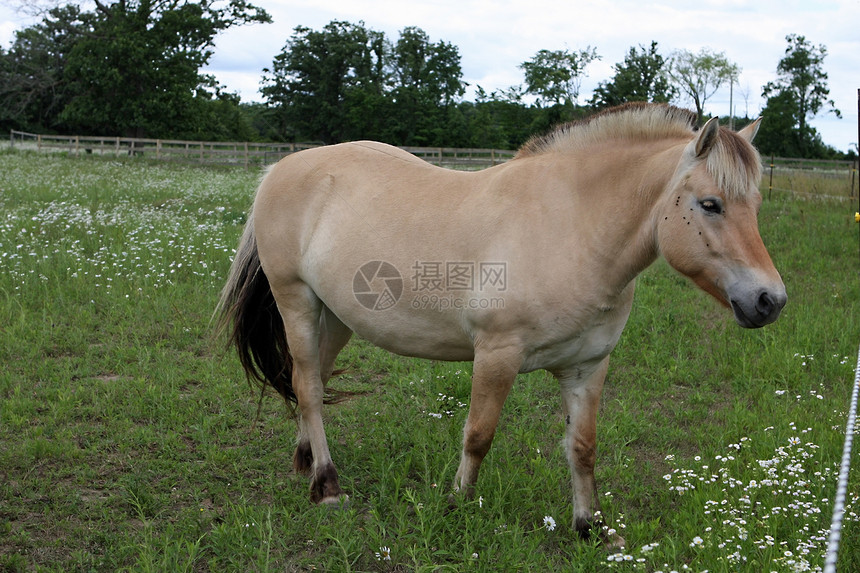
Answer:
(812, 178)
(830, 558)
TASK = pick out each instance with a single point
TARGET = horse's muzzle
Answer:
(760, 309)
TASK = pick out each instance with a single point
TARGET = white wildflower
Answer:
(384, 554)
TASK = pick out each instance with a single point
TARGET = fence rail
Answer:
(819, 178)
(245, 154)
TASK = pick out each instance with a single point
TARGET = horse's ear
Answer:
(707, 137)
(749, 131)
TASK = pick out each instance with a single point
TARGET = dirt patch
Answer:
(108, 377)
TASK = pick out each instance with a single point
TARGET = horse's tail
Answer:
(248, 311)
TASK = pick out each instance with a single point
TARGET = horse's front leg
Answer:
(493, 376)
(580, 393)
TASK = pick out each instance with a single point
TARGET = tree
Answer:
(799, 93)
(33, 90)
(778, 134)
(699, 76)
(136, 71)
(322, 77)
(555, 76)
(218, 117)
(129, 67)
(346, 82)
(430, 68)
(499, 120)
(641, 77)
(427, 80)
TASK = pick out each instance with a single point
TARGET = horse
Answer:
(527, 265)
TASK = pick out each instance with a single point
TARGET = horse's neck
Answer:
(631, 197)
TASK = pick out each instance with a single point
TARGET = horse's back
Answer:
(370, 157)
(355, 172)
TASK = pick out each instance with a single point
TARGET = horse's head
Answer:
(708, 226)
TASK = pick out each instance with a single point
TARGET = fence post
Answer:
(770, 185)
(853, 175)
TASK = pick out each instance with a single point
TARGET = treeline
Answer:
(133, 68)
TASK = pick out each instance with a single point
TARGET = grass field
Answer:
(130, 441)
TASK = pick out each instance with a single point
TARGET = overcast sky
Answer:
(495, 36)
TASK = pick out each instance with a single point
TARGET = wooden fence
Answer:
(244, 154)
(800, 176)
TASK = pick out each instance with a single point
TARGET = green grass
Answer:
(130, 441)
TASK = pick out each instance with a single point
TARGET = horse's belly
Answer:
(438, 337)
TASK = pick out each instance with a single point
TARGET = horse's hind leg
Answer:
(580, 396)
(301, 309)
(334, 335)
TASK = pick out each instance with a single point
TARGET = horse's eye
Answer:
(712, 206)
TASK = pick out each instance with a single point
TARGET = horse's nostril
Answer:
(765, 304)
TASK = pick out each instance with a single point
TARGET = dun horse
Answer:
(526, 265)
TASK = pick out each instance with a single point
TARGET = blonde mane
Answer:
(733, 162)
